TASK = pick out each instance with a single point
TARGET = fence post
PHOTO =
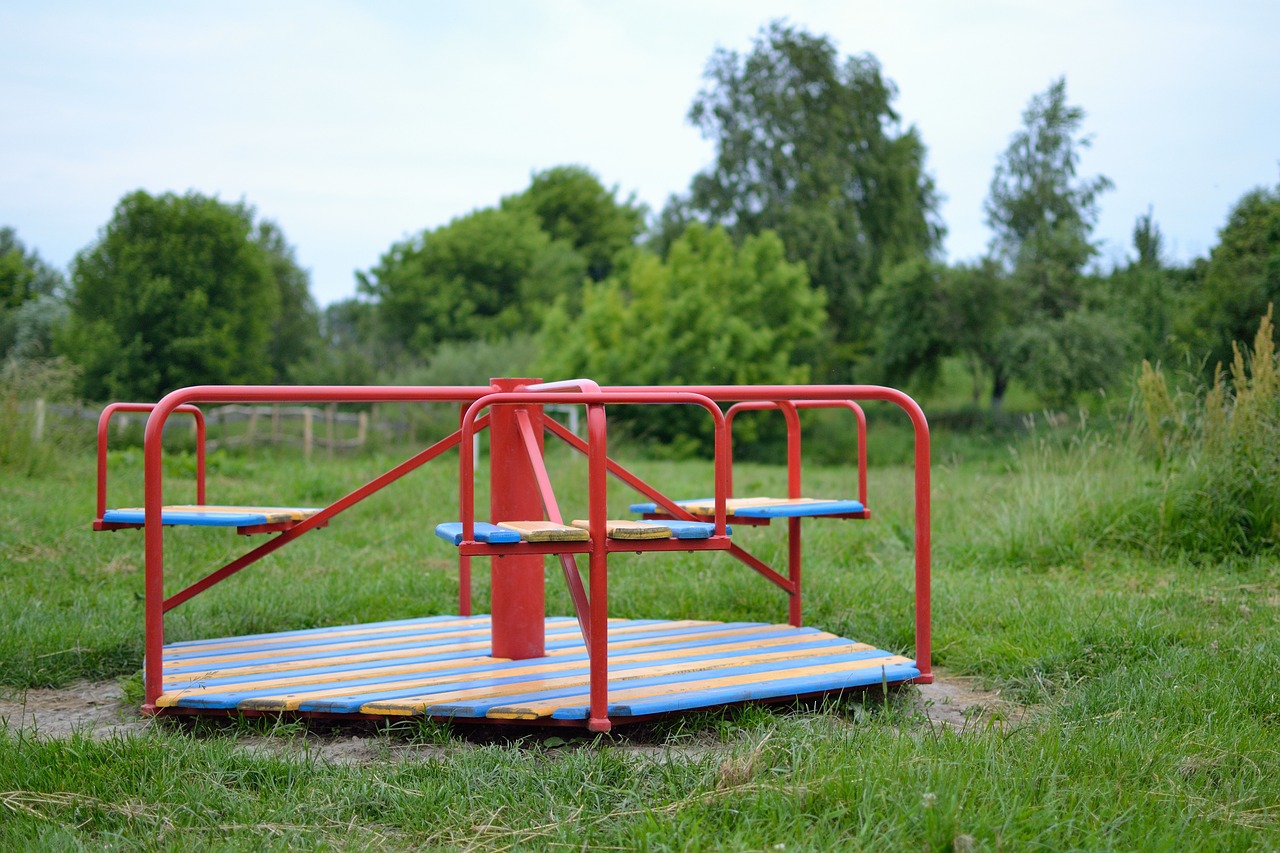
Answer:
(306, 432)
(275, 424)
(330, 412)
(38, 432)
(362, 429)
(251, 437)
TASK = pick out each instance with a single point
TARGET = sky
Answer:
(355, 125)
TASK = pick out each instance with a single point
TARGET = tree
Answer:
(812, 149)
(708, 313)
(1241, 278)
(574, 207)
(1149, 296)
(926, 312)
(25, 278)
(295, 334)
(176, 291)
(349, 350)
(1042, 214)
(484, 275)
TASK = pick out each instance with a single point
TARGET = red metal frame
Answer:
(104, 423)
(516, 405)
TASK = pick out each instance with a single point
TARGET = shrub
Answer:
(1222, 495)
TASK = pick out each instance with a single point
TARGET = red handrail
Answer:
(793, 437)
(104, 422)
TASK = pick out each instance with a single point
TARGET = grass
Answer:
(1149, 675)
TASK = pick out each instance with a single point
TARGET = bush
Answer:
(1221, 448)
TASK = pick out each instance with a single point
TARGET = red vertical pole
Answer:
(597, 512)
(794, 490)
(518, 593)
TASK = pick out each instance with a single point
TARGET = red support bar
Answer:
(153, 502)
(833, 394)
(320, 519)
(561, 432)
(568, 565)
(761, 567)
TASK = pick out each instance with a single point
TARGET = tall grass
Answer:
(1221, 448)
(21, 384)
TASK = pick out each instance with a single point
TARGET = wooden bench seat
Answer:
(762, 507)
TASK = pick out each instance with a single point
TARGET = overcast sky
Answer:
(354, 125)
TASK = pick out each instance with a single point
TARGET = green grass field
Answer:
(1145, 715)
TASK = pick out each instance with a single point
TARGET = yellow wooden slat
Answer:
(733, 504)
(621, 631)
(294, 513)
(628, 529)
(546, 709)
(416, 704)
(322, 633)
(546, 531)
(184, 659)
(538, 665)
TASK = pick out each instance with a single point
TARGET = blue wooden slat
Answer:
(410, 661)
(891, 674)
(318, 640)
(303, 631)
(451, 531)
(193, 519)
(195, 666)
(801, 510)
(480, 708)
(694, 529)
(352, 704)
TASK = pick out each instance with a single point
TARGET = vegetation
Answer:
(31, 303)
(1135, 668)
(1110, 574)
(810, 148)
(709, 313)
(811, 160)
(179, 290)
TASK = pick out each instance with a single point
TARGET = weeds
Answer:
(1222, 450)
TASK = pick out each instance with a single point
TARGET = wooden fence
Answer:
(311, 428)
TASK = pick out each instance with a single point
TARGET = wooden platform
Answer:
(440, 667)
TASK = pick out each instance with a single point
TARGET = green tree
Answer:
(24, 275)
(1042, 214)
(574, 207)
(349, 353)
(176, 291)
(1241, 278)
(926, 312)
(25, 278)
(295, 333)
(708, 313)
(1149, 296)
(812, 149)
(484, 275)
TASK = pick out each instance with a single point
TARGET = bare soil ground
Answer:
(99, 710)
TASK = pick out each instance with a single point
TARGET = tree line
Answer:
(808, 250)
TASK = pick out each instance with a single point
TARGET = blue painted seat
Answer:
(451, 532)
(763, 507)
(212, 516)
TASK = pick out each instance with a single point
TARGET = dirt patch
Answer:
(961, 703)
(99, 710)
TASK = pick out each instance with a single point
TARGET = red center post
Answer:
(518, 589)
